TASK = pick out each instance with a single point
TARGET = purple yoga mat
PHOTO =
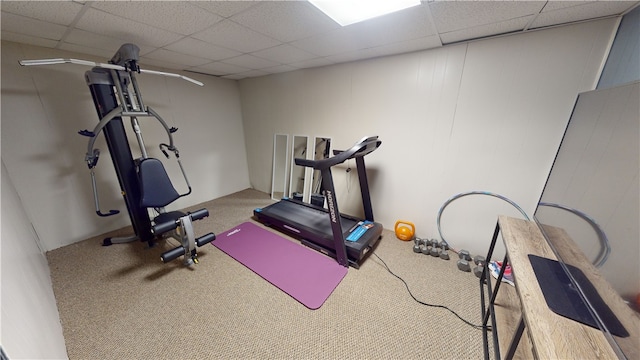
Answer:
(305, 274)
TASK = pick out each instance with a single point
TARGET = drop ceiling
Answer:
(241, 39)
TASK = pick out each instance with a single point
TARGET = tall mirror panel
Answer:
(297, 178)
(279, 179)
(322, 148)
(590, 207)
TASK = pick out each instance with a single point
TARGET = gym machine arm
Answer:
(93, 155)
(102, 65)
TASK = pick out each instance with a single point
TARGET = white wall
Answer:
(623, 62)
(44, 107)
(486, 115)
(30, 327)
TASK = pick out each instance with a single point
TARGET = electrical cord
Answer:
(478, 327)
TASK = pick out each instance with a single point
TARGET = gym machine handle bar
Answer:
(95, 198)
(360, 149)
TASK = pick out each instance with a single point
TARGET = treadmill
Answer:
(343, 237)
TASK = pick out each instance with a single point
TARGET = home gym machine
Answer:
(343, 237)
(144, 182)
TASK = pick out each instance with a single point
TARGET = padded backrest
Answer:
(156, 188)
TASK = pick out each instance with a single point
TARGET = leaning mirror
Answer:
(297, 178)
(590, 206)
(279, 179)
(322, 148)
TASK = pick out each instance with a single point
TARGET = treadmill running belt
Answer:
(315, 219)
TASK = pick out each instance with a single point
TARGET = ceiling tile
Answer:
(225, 8)
(561, 4)
(28, 39)
(234, 77)
(335, 42)
(220, 68)
(202, 49)
(146, 63)
(284, 53)
(251, 73)
(402, 25)
(555, 14)
(457, 15)
(105, 55)
(57, 12)
(78, 37)
(114, 26)
(174, 57)
(180, 17)
(27, 26)
(351, 56)
(316, 62)
(427, 42)
(234, 36)
(251, 62)
(274, 35)
(486, 30)
(279, 69)
(286, 21)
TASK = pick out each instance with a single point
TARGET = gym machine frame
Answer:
(116, 94)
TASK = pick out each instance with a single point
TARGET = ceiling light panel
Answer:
(285, 20)
(347, 12)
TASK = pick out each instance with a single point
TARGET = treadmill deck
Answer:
(311, 224)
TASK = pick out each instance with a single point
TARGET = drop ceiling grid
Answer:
(590, 10)
(284, 53)
(490, 29)
(62, 13)
(181, 17)
(97, 21)
(451, 16)
(237, 39)
(235, 36)
(83, 38)
(176, 57)
(195, 47)
(31, 27)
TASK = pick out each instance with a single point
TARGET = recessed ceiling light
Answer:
(346, 12)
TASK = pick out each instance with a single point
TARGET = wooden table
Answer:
(512, 310)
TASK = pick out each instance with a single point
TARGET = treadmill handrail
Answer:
(361, 148)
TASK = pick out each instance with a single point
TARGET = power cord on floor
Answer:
(479, 327)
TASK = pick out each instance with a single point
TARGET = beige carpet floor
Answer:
(122, 302)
